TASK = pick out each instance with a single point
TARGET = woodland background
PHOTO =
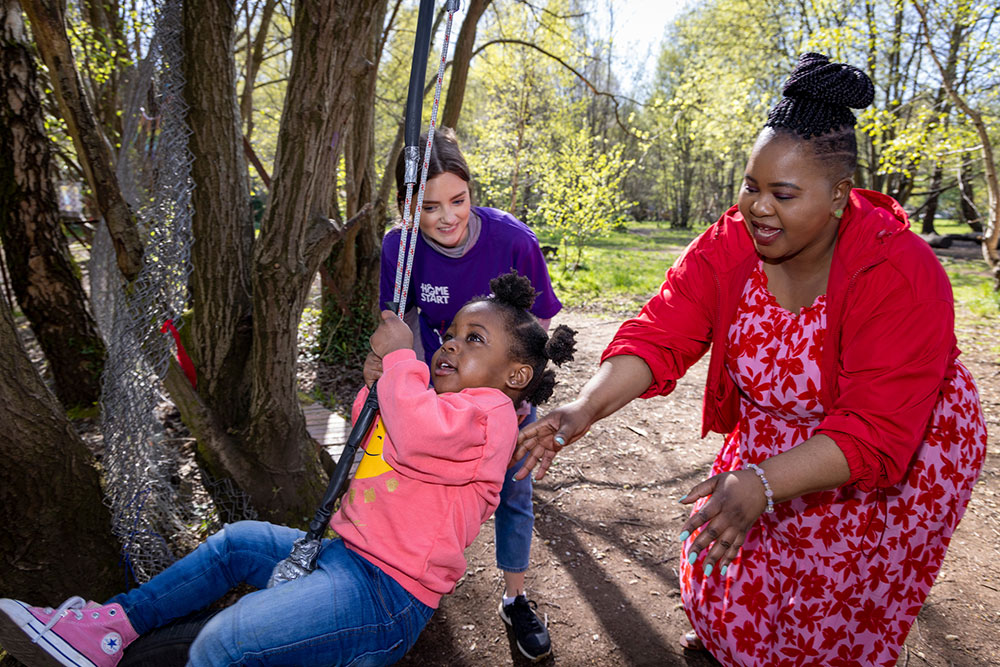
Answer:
(295, 116)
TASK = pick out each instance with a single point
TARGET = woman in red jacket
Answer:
(854, 436)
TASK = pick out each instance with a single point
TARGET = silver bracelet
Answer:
(767, 487)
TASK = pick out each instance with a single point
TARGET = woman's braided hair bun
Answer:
(819, 96)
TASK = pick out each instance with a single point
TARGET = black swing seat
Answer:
(167, 646)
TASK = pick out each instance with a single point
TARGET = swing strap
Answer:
(411, 222)
(366, 418)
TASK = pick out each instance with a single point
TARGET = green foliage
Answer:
(521, 105)
(79, 412)
(718, 73)
(621, 271)
(343, 336)
(581, 196)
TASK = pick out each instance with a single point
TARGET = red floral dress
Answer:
(836, 577)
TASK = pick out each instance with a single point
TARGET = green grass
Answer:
(944, 226)
(975, 297)
(619, 273)
(971, 283)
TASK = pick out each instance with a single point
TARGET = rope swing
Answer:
(302, 559)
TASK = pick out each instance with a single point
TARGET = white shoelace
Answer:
(74, 604)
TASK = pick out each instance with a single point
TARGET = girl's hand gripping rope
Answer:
(372, 370)
(391, 335)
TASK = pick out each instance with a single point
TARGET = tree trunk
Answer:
(460, 62)
(991, 239)
(940, 102)
(350, 297)
(268, 452)
(41, 272)
(105, 18)
(931, 207)
(48, 25)
(295, 237)
(968, 211)
(57, 538)
(522, 122)
(221, 331)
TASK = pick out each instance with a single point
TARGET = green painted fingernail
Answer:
(692, 557)
(681, 499)
(708, 569)
(723, 570)
(683, 536)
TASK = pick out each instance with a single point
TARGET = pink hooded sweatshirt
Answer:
(430, 477)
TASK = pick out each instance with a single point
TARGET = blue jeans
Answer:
(346, 612)
(515, 517)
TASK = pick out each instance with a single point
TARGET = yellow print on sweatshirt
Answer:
(372, 464)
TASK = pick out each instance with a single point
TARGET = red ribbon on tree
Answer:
(182, 356)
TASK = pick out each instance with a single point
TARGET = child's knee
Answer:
(215, 644)
(231, 534)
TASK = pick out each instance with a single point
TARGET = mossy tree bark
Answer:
(461, 61)
(248, 295)
(297, 234)
(48, 23)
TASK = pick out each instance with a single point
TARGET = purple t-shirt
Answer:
(440, 286)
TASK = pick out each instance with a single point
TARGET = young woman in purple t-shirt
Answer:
(460, 248)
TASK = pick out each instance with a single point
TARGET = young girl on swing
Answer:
(460, 248)
(430, 477)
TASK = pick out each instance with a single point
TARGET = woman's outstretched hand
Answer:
(737, 500)
(541, 441)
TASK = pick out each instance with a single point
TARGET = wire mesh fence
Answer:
(154, 171)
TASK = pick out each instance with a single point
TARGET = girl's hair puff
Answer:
(513, 295)
(446, 158)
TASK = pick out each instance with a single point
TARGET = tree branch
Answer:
(600, 93)
(321, 236)
(48, 26)
(992, 183)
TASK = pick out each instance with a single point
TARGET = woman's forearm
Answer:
(818, 464)
(618, 381)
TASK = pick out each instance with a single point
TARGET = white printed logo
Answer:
(433, 293)
(112, 643)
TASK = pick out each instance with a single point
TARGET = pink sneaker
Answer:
(78, 633)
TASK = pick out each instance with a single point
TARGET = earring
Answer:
(838, 213)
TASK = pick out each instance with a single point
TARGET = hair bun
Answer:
(815, 77)
(513, 289)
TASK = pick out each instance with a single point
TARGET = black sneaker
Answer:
(532, 637)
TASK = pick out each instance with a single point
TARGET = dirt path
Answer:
(604, 558)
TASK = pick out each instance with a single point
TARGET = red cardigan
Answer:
(888, 348)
